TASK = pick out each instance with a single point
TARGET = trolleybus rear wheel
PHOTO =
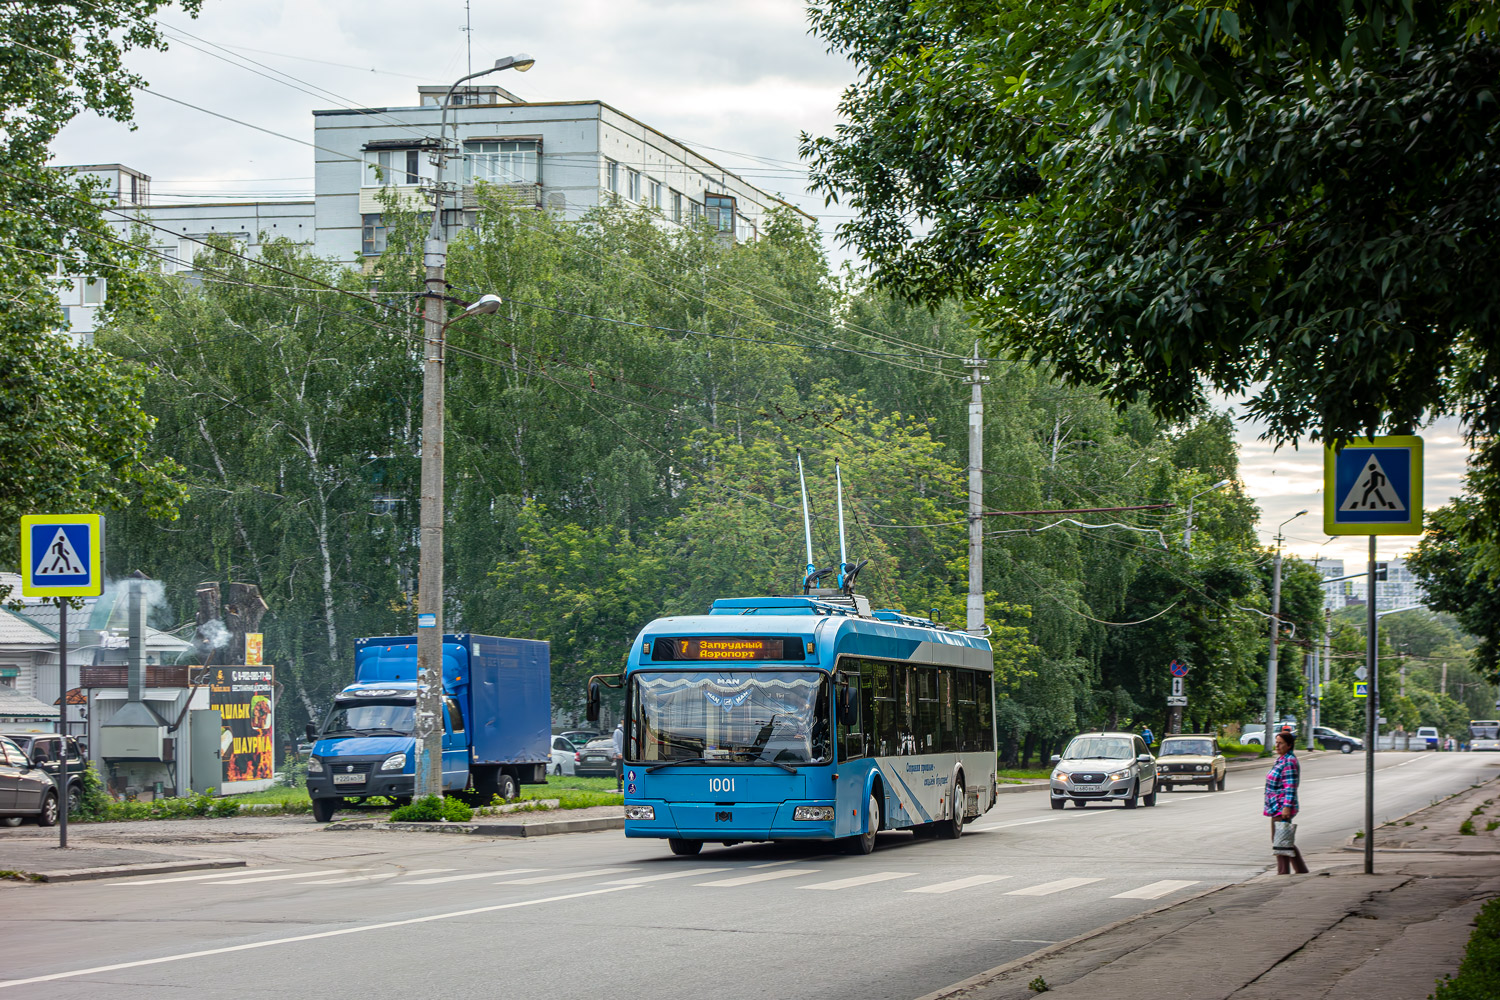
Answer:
(953, 827)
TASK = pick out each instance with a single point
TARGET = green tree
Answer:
(1459, 578)
(1160, 197)
(73, 434)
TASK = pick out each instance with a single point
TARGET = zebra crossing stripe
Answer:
(565, 876)
(470, 875)
(960, 883)
(278, 878)
(849, 883)
(1156, 890)
(1048, 888)
(762, 876)
(222, 873)
(643, 879)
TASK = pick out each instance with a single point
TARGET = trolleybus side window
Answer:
(851, 735)
(885, 709)
(926, 693)
(948, 737)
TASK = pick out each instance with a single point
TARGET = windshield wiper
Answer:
(683, 760)
(383, 731)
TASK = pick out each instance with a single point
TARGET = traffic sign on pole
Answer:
(1373, 486)
(1178, 668)
(1360, 673)
(1176, 700)
(62, 555)
(1361, 689)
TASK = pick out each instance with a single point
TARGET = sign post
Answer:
(1373, 486)
(62, 556)
(1177, 700)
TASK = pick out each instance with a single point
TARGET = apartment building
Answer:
(566, 157)
(1399, 589)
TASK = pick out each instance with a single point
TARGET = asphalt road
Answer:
(375, 915)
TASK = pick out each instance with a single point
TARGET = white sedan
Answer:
(564, 756)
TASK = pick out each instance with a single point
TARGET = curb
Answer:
(145, 868)
(490, 829)
(984, 977)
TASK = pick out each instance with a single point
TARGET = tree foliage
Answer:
(1291, 200)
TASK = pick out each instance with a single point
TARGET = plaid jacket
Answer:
(1281, 785)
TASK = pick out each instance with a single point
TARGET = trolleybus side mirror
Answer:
(592, 711)
(312, 733)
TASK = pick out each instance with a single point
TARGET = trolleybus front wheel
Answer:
(684, 847)
(864, 843)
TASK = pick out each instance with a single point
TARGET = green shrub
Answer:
(95, 802)
(1479, 974)
(1230, 748)
(185, 807)
(1466, 828)
(293, 773)
(432, 809)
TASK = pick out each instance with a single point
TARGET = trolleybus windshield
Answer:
(1484, 729)
(761, 716)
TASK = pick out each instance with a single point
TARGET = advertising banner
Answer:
(243, 696)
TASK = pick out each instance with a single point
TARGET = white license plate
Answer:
(593, 760)
(348, 779)
(1086, 788)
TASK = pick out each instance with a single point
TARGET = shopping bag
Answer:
(1284, 836)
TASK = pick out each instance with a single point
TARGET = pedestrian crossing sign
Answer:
(1361, 689)
(62, 555)
(1373, 486)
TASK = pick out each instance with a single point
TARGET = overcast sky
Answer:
(738, 79)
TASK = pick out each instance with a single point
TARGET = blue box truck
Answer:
(497, 722)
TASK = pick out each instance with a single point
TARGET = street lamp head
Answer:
(485, 305)
(520, 62)
(1220, 484)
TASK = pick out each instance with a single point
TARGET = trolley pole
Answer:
(974, 618)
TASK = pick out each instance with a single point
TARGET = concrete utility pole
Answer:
(429, 763)
(974, 619)
(1270, 731)
(1372, 709)
(1187, 533)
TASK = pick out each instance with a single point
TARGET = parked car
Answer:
(564, 755)
(597, 758)
(1191, 760)
(47, 751)
(25, 789)
(1332, 739)
(578, 737)
(1429, 734)
(1104, 767)
(1257, 737)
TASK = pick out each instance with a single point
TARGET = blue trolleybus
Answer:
(805, 717)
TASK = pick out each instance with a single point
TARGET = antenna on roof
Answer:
(812, 568)
(838, 477)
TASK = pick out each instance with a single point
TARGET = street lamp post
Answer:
(1187, 534)
(1270, 731)
(429, 762)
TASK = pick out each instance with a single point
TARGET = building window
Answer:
(720, 210)
(634, 179)
(93, 291)
(614, 177)
(502, 161)
(676, 203)
(393, 166)
(695, 213)
(655, 188)
(373, 241)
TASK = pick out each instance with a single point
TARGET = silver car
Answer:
(1104, 767)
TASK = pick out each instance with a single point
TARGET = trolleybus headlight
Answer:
(394, 762)
(640, 812)
(1060, 776)
(314, 766)
(813, 814)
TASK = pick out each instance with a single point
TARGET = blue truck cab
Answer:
(496, 717)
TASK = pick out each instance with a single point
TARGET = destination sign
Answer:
(732, 647)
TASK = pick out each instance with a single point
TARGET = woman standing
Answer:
(1281, 800)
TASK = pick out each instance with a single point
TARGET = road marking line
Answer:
(354, 878)
(278, 878)
(774, 864)
(565, 876)
(320, 935)
(1156, 890)
(470, 875)
(849, 883)
(643, 879)
(222, 873)
(1048, 888)
(763, 876)
(960, 883)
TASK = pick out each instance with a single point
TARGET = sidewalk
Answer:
(1337, 934)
